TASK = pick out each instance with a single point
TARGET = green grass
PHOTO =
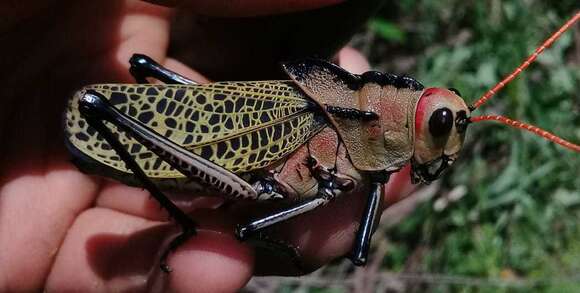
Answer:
(520, 214)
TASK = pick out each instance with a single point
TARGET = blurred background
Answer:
(505, 217)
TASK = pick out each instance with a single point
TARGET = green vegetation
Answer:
(519, 217)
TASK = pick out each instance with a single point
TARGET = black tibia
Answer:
(362, 242)
(350, 113)
(243, 231)
(95, 113)
(143, 66)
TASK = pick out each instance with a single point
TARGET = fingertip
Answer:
(352, 60)
(144, 28)
(184, 70)
(399, 186)
(211, 262)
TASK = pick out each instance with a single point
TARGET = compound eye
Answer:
(441, 122)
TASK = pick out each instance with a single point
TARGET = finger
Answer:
(185, 70)
(211, 262)
(144, 28)
(235, 8)
(399, 186)
(37, 206)
(352, 60)
(106, 251)
(40, 195)
(109, 251)
(138, 202)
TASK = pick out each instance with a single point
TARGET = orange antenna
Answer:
(517, 124)
(531, 128)
(547, 43)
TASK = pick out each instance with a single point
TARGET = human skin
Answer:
(63, 230)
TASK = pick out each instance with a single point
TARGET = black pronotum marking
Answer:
(350, 113)
(383, 79)
(302, 69)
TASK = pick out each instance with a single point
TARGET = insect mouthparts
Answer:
(462, 121)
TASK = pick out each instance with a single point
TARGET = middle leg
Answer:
(243, 231)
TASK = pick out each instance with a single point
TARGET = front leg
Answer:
(362, 242)
(142, 66)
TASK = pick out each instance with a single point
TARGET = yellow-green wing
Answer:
(242, 126)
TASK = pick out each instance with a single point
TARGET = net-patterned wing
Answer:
(242, 126)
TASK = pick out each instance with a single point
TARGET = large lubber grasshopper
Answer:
(324, 133)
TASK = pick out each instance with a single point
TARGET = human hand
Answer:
(56, 222)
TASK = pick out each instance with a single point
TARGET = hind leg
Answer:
(96, 110)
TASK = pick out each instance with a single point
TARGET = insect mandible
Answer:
(324, 133)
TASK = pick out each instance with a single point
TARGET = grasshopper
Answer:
(323, 133)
